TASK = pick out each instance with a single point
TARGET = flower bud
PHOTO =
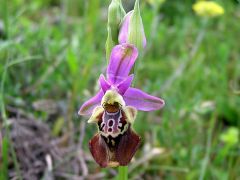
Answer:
(132, 30)
(115, 15)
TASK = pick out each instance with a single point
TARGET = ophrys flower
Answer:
(114, 109)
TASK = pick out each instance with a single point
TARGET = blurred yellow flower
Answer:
(208, 9)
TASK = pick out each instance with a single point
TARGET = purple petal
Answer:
(88, 106)
(103, 83)
(123, 33)
(125, 84)
(122, 59)
(141, 100)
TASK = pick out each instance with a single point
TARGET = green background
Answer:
(52, 52)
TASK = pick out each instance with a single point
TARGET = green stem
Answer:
(122, 172)
(206, 161)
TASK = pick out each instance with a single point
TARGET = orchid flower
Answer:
(114, 109)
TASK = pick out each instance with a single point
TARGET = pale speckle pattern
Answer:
(111, 124)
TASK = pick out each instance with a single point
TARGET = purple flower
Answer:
(122, 59)
(114, 109)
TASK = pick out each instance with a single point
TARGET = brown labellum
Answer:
(116, 143)
(109, 151)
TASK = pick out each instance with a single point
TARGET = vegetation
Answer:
(51, 55)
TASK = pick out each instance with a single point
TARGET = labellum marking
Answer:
(112, 123)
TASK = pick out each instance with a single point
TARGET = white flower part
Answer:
(96, 112)
(131, 113)
(111, 96)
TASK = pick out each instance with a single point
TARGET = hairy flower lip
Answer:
(108, 154)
